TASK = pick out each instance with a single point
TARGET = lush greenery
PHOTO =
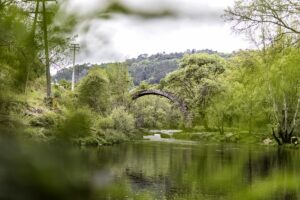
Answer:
(250, 92)
(95, 114)
(249, 96)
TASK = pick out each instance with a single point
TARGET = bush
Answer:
(47, 120)
(105, 123)
(92, 140)
(65, 84)
(115, 137)
(77, 124)
(123, 121)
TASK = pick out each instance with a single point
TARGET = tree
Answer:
(195, 81)
(156, 112)
(277, 23)
(241, 101)
(18, 53)
(277, 17)
(120, 83)
(93, 90)
(284, 93)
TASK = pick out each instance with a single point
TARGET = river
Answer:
(142, 170)
(176, 170)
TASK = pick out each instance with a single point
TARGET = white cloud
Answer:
(198, 27)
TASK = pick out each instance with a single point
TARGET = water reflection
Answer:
(148, 170)
(174, 171)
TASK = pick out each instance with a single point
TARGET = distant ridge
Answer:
(150, 68)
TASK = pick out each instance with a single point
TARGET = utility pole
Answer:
(45, 34)
(74, 48)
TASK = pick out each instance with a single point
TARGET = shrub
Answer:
(65, 84)
(122, 120)
(77, 124)
(92, 140)
(47, 120)
(114, 136)
(105, 123)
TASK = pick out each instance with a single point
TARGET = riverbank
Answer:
(29, 117)
(241, 137)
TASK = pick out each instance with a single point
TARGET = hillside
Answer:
(150, 68)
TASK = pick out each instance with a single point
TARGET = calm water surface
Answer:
(160, 170)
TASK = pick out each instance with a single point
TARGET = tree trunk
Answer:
(48, 75)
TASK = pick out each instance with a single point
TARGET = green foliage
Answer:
(166, 136)
(18, 60)
(65, 84)
(156, 112)
(123, 121)
(77, 124)
(196, 82)
(93, 90)
(46, 120)
(113, 136)
(240, 100)
(241, 95)
(144, 85)
(120, 82)
(118, 127)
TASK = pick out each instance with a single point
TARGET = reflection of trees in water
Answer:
(271, 164)
(263, 165)
(139, 182)
(224, 171)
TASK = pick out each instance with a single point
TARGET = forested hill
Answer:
(150, 68)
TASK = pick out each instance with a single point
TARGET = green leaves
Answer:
(17, 50)
(93, 90)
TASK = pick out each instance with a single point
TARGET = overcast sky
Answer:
(197, 25)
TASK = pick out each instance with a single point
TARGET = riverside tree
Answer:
(195, 81)
(276, 22)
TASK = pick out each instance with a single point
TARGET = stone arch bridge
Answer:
(172, 97)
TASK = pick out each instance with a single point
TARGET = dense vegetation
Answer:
(249, 96)
(246, 94)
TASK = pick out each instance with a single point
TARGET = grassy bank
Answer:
(230, 136)
(28, 116)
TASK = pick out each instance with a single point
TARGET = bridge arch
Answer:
(172, 97)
